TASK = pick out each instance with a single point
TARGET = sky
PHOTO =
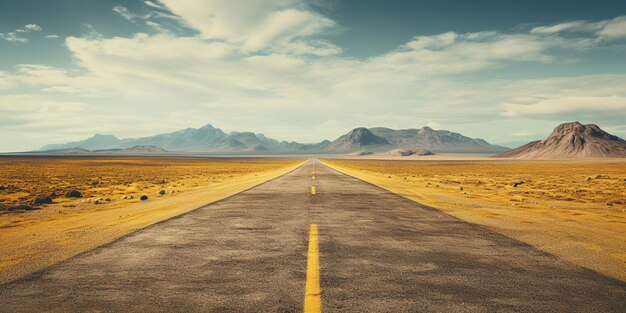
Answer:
(505, 71)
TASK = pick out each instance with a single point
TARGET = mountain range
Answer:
(211, 139)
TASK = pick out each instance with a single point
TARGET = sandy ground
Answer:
(378, 252)
(34, 240)
(573, 209)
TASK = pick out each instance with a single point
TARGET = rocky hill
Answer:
(572, 140)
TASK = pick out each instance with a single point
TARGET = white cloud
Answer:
(562, 106)
(606, 29)
(125, 13)
(29, 28)
(15, 36)
(52, 36)
(32, 27)
(12, 37)
(253, 24)
(574, 26)
(616, 28)
(154, 5)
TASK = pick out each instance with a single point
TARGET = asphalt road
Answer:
(378, 252)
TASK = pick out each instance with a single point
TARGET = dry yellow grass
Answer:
(33, 240)
(573, 209)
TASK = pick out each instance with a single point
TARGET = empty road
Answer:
(372, 251)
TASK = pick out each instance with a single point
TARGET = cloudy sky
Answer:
(308, 70)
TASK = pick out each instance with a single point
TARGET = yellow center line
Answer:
(313, 177)
(312, 296)
(313, 190)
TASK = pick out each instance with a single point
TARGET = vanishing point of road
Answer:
(314, 240)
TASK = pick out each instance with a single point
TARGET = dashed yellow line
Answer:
(313, 190)
(313, 177)
(312, 293)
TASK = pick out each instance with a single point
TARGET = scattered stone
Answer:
(3, 188)
(74, 194)
(53, 195)
(600, 176)
(97, 202)
(517, 183)
(588, 179)
(95, 183)
(162, 192)
(107, 199)
(143, 198)
(42, 200)
(20, 208)
(162, 181)
(461, 188)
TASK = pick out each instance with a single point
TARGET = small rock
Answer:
(144, 197)
(20, 208)
(588, 179)
(42, 200)
(517, 183)
(53, 195)
(95, 183)
(461, 188)
(162, 181)
(599, 176)
(162, 192)
(97, 202)
(74, 194)
(107, 199)
(3, 188)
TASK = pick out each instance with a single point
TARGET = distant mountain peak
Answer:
(207, 126)
(357, 138)
(103, 136)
